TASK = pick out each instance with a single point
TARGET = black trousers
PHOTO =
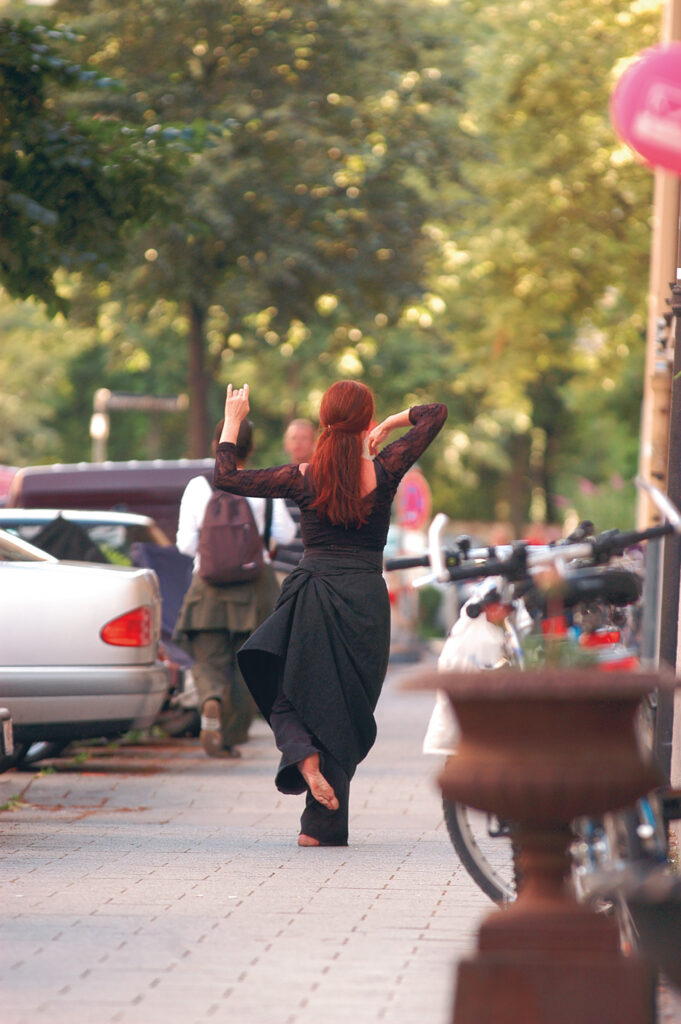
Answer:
(295, 742)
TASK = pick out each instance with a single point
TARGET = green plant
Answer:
(430, 600)
(81, 757)
(15, 803)
(551, 651)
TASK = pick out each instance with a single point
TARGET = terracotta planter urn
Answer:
(540, 749)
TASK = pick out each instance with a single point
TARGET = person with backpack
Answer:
(316, 666)
(233, 589)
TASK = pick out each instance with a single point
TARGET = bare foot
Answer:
(304, 840)
(319, 787)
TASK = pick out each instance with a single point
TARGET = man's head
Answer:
(244, 441)
(299, 440)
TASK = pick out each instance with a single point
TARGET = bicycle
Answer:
(495, 624)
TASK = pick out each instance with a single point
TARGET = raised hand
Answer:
(236, 404)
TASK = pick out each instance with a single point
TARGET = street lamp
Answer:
(104, 401)
(99, 424)
(99, 432)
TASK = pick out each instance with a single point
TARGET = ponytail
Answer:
(346, 411)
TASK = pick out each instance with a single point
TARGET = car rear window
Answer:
(112, 541)
(11, 551)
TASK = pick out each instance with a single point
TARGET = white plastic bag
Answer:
(472, 644)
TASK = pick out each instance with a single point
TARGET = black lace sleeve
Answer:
(397, 457)
(275, 482)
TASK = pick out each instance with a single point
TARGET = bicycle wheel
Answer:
(485, 849)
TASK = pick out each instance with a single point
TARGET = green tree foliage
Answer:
(429, 196)
(325, 122)
(68, 187)
(35, 379)
(549, 274)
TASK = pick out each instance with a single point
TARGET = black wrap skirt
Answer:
(325, 647)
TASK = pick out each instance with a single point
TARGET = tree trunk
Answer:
(293, 387)
(197, 383)
(549, 486)
(518, 484)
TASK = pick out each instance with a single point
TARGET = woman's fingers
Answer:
(375, 438)
(237, 392)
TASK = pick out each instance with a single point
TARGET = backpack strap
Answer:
(269, 509)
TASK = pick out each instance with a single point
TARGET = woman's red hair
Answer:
(347, 409)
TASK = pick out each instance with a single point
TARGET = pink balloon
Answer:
(646, 106)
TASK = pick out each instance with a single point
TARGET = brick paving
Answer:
(149, 884)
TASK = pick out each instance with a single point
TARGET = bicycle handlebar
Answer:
(614, 542)
(406, 562)
(515, 561)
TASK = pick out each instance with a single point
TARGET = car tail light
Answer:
(134, 629)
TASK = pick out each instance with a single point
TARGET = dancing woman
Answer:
(316, 666)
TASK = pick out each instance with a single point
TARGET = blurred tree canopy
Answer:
(549, 275)
(323, 126)
(69, 185)
(427, 195)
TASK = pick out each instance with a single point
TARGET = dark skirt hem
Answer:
(288, 779)
(325, 647)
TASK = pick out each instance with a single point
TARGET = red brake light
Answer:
(134, 629)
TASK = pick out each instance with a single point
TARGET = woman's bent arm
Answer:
(428, 421)
(276, 482)
(379, 434)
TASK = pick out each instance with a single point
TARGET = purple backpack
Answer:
(230, 547)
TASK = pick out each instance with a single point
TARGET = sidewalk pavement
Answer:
(149, 883)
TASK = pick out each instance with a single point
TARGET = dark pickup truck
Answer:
(152, 488)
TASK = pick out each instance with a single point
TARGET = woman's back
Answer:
(317, 530)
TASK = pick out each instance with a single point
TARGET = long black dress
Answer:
(316, 666)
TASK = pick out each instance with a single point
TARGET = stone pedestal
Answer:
(540, 749)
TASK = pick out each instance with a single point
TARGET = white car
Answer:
(92, 536)
(78, 646)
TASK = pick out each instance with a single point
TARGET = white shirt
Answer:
(193, 508)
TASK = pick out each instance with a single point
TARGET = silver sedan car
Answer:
(78, 646)
(81, 535)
